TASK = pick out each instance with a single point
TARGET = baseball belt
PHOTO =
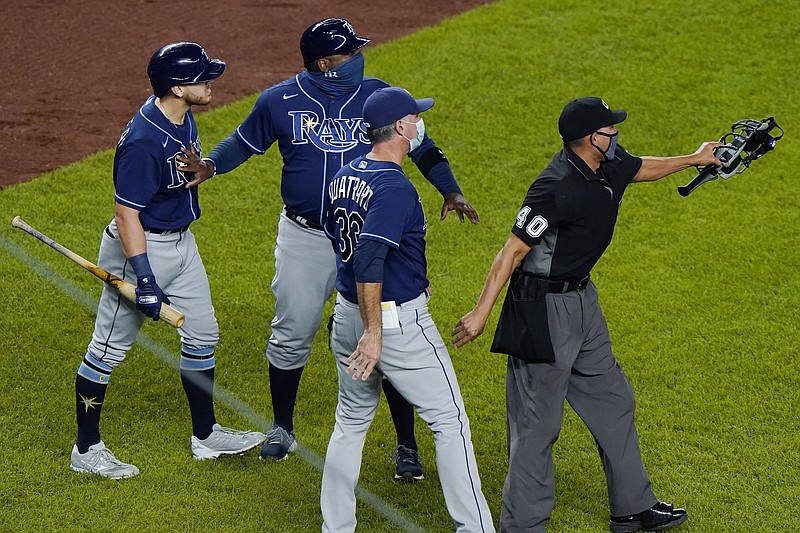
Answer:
(293, 215)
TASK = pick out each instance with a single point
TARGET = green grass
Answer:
(701, 293)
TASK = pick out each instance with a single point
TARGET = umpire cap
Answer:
(332, 36)
(181, 63)
(583, 116)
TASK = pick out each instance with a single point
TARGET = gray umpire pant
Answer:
(587, 374)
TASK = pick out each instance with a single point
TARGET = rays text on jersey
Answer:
(329, 134)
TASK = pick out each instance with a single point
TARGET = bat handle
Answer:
(709, 173)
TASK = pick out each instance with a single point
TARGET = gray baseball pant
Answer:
(587, 374)
(180, 273)
(415, 360)
(305, 273)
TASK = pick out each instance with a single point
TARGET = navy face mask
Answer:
(612, 146)
(341, 80)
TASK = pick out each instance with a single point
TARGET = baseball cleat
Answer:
(225, 441)
(279, 443)
(100, 461)
(659, 517)
(408, 465)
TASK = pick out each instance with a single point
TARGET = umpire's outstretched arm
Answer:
(471, 325)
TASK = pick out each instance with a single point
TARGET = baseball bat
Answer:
(168, 314)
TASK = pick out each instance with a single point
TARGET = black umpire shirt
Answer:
(569, 214)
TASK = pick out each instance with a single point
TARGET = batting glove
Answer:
(149, 296)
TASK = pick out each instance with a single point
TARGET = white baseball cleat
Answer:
(225, 441)
(100, 461)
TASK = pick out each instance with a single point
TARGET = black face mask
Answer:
(608, 155)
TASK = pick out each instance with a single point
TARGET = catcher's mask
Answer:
(181, 63)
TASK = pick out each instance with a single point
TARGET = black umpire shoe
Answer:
(659, 517)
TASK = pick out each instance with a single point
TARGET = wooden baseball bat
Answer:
(168, 314)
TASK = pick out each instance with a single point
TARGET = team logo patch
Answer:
(89, 402)
(328, 135)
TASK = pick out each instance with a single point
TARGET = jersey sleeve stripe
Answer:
(128, 203)
(380, 238)
(248, 143)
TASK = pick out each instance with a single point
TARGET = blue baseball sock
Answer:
(91, 383)
(197, 377)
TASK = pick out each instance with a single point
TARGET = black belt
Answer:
(537, 286)
(293, 215)
(158, 231)
(567, 286)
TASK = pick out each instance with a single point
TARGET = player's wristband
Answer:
(141, 265)
(209, 161)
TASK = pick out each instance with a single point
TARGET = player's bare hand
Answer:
(456, 202)
(468, 329)
(198, 170)
(363, 360)
(705, 154)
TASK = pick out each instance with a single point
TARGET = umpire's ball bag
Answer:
(522, 330)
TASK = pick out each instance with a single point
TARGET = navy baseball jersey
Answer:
(375, 200)
(146, 176)
(569, 213)
(317, 135)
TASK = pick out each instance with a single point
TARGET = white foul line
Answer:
(221, 395)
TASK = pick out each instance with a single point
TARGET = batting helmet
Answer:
(181, 64)
(329, 37)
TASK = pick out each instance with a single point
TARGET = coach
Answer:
(382, 329)
(555, 331)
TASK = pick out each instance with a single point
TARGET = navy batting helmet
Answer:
(329, 37)
(181, 64)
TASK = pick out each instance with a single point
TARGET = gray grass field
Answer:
(701, 293)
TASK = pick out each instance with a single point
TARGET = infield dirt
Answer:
(75, 71)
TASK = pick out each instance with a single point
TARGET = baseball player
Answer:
(382, 330)
(149, 240)
(315, 117)
(564, 226)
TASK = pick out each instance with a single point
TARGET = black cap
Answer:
(586, 115)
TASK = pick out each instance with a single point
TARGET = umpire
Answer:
(554, 329)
